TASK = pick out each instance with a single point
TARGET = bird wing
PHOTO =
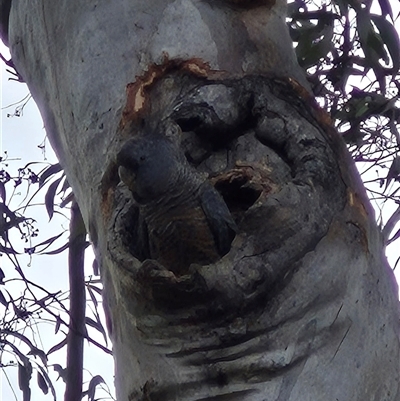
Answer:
(218, 216)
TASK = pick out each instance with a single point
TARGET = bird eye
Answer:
(142, 158)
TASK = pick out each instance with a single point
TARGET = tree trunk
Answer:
(304, 305)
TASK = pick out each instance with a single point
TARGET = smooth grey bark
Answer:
(304, 306)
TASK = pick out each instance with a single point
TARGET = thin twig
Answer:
(389, 226)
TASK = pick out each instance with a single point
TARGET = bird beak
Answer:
(127, 177)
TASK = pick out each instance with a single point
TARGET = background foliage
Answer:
(351, 52)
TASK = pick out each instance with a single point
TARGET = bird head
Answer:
(149, 166)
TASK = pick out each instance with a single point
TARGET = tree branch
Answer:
(76, 335)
